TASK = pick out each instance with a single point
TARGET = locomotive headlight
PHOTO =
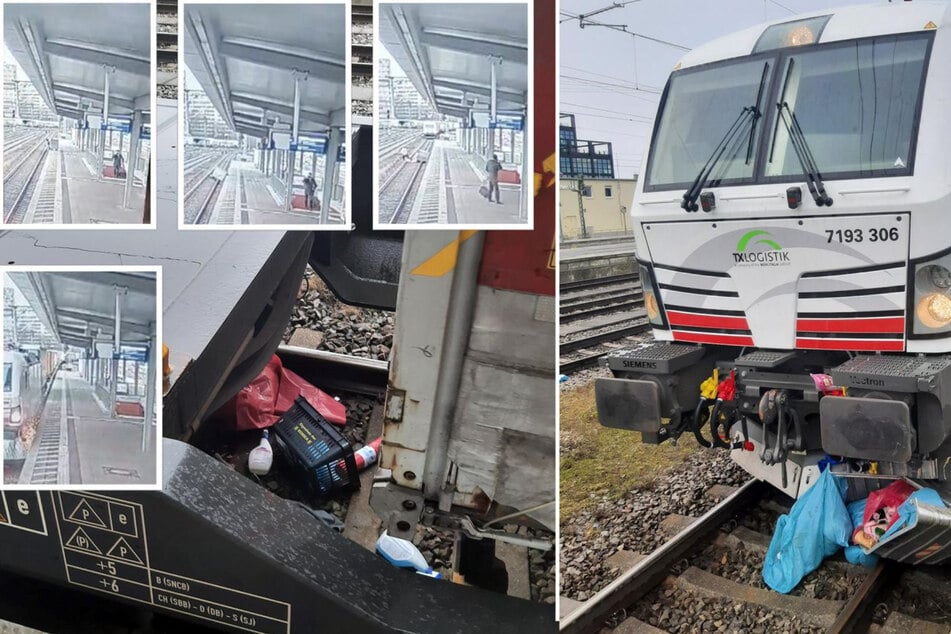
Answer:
(932, 299)
(652, 302)
(934, 310)
(795, 33)
(940, 276)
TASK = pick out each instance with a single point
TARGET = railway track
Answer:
(390, 146)
(21, 177)
(596, 282)
(166, 44)
(398, 192)
(14, 149)
(606, 311)
(199, 201)
(195, 169)
(362, 60)
(601, 303)
(698, 581)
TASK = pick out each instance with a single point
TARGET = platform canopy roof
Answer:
(78, 307)
(447, 51)
(67, 49)
(246, 59)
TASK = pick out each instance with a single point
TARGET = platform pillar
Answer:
(330, 172)
(292, 155)
(105, 119)
(133, 156)
(116, 347)
(149, 394)
(493, 90)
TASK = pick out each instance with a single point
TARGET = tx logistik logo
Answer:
(768, 253)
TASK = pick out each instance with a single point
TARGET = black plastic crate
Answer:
(322, 453)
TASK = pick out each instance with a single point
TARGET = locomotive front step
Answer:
(654, 358)
(893, 373)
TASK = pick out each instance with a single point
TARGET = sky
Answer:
(18, 298)
(9, 59)
(381, 53)
(612, 81)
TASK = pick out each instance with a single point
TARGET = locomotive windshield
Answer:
(7, 377)
(699, 109)
(857, 103)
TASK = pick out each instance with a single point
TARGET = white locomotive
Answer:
(793, 221)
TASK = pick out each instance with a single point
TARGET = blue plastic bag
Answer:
(854, 553)
(817, 526)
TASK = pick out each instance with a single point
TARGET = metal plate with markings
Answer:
(215, 549)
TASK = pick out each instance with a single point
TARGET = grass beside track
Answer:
(598, 462)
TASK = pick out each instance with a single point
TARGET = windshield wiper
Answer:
(759, 100)
(689, 202)
(806, 158)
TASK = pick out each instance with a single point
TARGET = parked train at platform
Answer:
(795, 250)
(430, 129)
(26, 376)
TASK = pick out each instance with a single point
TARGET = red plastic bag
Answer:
(891, 496)
(263, 401)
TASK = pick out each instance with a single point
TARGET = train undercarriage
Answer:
(784, 415)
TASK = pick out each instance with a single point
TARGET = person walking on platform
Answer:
(492, 168)
(310, 191)
(117, 164)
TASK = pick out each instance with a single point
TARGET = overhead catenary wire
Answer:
(613, 5)
(606, 76)
(622, 28)
(631, 114)
(782, 6)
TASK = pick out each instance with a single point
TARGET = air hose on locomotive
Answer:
(715, 393)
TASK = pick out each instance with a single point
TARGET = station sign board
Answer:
(315, 144)
(502, 121)
(508, 122)
(342, 153)
(117, 125)
(132, 353)
(145, 133)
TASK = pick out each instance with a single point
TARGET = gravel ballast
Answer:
(633, 523)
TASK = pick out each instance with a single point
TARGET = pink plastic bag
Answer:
(890, 497)
(263, 401)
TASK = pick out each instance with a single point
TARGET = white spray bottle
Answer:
(261, 457)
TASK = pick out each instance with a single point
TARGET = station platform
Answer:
(463, 173)
(248, 196)
(69, 192)
(78, 442)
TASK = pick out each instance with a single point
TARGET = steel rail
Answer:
(8, 217)
(640, 325)
(599, 281)
(653, 569)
